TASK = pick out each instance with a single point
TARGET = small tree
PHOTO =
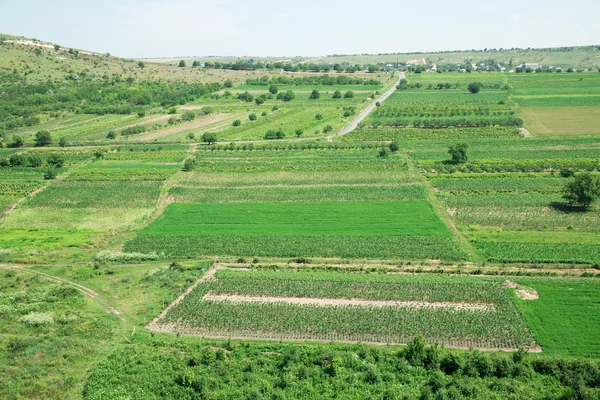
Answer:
(228, 83)
(35, 161)
(43, 138)
(141, 64)
(299, 132)
(383, 152)
(349, 94)
(318, 116)
(337, 95)
(458, 152)
(181, 63)
(314, 95)
(188, 116)
(394, 147)
(62, 142)
(252, 117)
(273, 89)
(196, 63)
(327, 129)
(55, 160)
(474, 87)
(50, 174)
(189, 164)
(237, 122)
(209, 137)
(583, 191)
(17, 141)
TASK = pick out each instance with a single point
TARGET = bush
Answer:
(17, 160)
(252, 117)
(337, 95)
(583, 191)
(35, 161)
(327, 129)
(50, 174)
(318, 116)
(237, 122)
(189, 164)
(349, 95)
(17, 141)
(207, 110)
(458, 152)
(314, 95)
(62, 142)
(133, 130)
(55, 160)
(299, 132)
(43, 138)
(474, 87)
(111, 135)
(188, 116)
(272, 134)
(394, 146)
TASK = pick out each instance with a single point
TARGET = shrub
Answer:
(237, 122)
(272, 134)
(337, 95)
(55, 160)
(17, 160)
(111, 135)
(17, 141)
(50, 174)
(458, 152)
(475, 87)
(189, 164)
(327, 129)
(207, 110)
(318, 116)
(252, 117)
(37, 319)
(43, 138)
(188, 116)
(133, 130)
(394, 146)
(349, 95)
(35, 161)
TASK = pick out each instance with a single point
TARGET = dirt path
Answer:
(349, 302)
(364, 113)
(46, 184)
(444, 214)
(199, 123)
(83, 289)
(525, 132)
(155, 326)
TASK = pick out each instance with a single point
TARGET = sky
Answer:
(175, 28)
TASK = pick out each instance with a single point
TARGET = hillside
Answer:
(560, 57)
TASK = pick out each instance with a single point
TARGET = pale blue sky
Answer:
(162, 28)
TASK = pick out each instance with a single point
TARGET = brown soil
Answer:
(509, 284)
(527, 294)
(347, 302)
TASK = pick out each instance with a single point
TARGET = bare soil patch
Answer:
(347, 302)
(527, 294)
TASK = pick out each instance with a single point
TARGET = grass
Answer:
(566, 316)
(300, 219)
(562, 121)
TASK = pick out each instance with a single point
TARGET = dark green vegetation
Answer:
(125, 178)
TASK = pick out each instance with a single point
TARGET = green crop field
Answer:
(494, 324)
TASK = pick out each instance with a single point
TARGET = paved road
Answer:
(364, 113)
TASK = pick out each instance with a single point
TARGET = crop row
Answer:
(387, 134)
(374, 247)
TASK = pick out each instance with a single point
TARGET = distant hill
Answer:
(561, 57)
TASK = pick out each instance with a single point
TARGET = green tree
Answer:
(196, 63)
(209, 137)
(273, 89)
(181, 63)
(17, 141)
(142, 64)
(188, 116)
(55, 160)
(299, 132)
(252, 117)
(314, 95)
(228, 83)
(583, 191)
(458, 152)
(474, 87)
(35, 161)
(237, 122)
(394, 147)
(62, 142)
(50, 173)
(189, 164)
(349, 94)
(43, 138)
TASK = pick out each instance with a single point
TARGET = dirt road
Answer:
(364, 113)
